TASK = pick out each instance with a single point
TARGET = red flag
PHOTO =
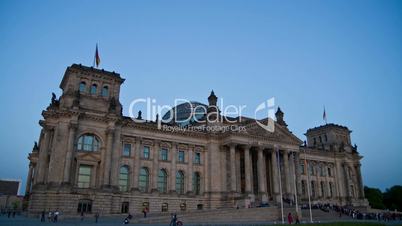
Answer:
(97, 58)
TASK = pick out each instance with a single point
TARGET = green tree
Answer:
(393, 198)
(375, 197)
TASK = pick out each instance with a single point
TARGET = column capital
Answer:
(138, 140)
(110, 130)
(45, 125)
(246, 146)
(73, 125)
(157, 142)
(232, 145)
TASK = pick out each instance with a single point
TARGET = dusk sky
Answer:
(344, 55)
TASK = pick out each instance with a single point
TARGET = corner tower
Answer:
(91, 89)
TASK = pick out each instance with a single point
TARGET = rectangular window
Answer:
(164, 207)
(180, 156)
(312, 188)
(330, 189)
(303, 186)
(302, 170)
(145, 153)
(311, 170)
(127, 150)
(163, 154)
(322, 171)
(322, 185)
(197, 158)
(84, 176)
(352, 191)
(329, 172)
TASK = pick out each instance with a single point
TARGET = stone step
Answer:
(221, 215)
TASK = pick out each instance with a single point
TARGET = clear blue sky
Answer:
(346, 55)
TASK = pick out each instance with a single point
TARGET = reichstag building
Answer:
(90, 158)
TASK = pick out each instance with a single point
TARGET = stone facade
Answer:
(92, 158)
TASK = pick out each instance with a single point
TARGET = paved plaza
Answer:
(115, 220)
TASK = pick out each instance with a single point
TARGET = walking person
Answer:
(82, 215)
(42, 216)
(297, 220)
(96, 217)
(290, 218)
(56, 215)
(49, 216)
(173, 220)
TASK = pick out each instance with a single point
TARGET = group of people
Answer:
(52, 216)
(355, 213)
(10, 212)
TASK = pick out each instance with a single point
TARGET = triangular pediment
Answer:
(89, 156)
(280, 133)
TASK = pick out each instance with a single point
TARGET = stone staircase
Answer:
(264, 214)
(319, 215)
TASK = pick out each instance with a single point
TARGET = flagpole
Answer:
(280, 186)
(294, 177)
(308, 185)
(93, 64)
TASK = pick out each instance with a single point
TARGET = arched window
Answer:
(83, 87)
(144, 179)
(94, 87)
(123, 178)
(88, 142)
(196, 183)
(162, 181)
(105, 91)
(180, 182)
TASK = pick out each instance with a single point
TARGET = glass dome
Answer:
(185, 113)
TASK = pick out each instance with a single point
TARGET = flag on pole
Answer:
(97, 57)
(324, 116)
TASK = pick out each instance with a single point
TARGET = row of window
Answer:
(321, 170)
(320, 139)
(94, 89)
(163, 154)
(85, 206)
(89, 142)
(322, 188)
(85, 171)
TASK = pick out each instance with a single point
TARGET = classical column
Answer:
(247, 168)
(360, 179)
(29, 180)
(116, 153)
(190, 169)
(173, 168)
(232, 167)
(108, 157)
(275, 171)
(137, 167)
(43, 155)
(260, 165)
(292, 175)
(286, 171)
(339, 179)
(70, 148)
(155, 166)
